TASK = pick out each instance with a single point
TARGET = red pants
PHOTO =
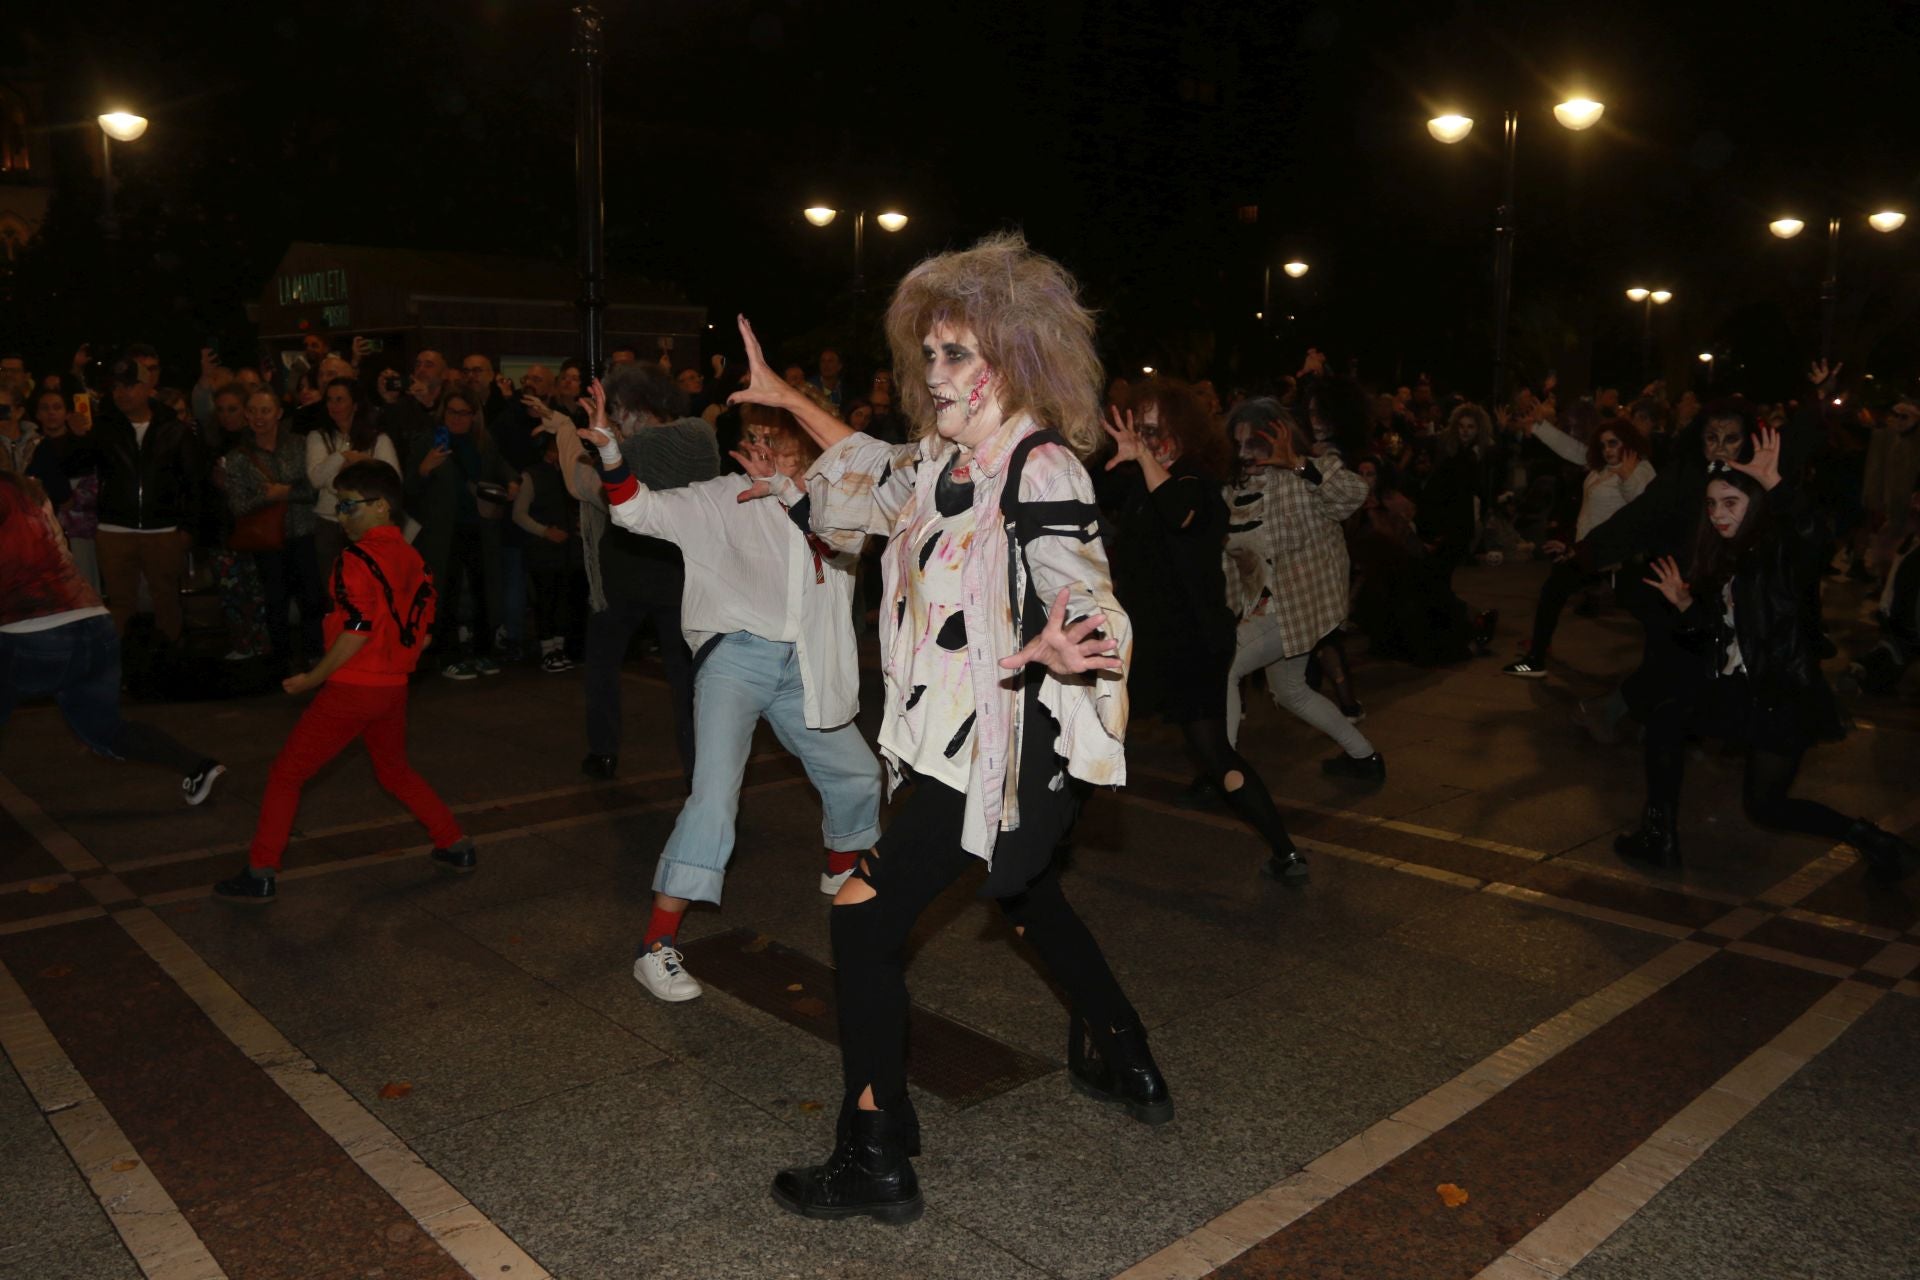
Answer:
(338, 714)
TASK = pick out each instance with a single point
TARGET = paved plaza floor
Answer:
(1477, 1045)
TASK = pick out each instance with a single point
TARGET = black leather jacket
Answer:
(151, 483)
(1773, 617)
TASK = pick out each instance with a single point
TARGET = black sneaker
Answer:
(1371, 768)
(601, 767)
(459, 856)
(198, 785)
(1528, 668)
(246, 887)
(1289, 868)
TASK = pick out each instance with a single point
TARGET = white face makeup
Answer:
(1610, 449)
(1726, 508)
(1722, 439)
(1161, 444)
(1250, 444)
(966, 409)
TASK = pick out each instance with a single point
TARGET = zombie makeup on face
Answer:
(1726, 508)
(1610, 448)
(1157, 440)
(959, 382)
(1722, 439)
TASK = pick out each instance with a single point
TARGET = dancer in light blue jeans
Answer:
(767, 611)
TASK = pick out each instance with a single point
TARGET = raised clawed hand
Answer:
(546, 418)
(1819, 373)
(1126, 440)
(1067, 650)
(598, 430)
(1670, 582)
(1765, 466)
(757, 461)
(764, 386)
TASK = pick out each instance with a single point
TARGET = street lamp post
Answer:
(589, 202)
(1295, 269)
(890, 221)
(1884, 221)
(1706, 358)
(1576, 114)
(115, 126)
(1648, 299)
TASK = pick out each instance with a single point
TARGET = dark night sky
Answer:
(1122, 136)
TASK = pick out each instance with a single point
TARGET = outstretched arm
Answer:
(765, 387)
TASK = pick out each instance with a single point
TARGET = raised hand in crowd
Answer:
(1824, 377)
(1765, 464)
(1670, 582)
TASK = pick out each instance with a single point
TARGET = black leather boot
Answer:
(868, 1175)
(1889, 858)
(1116, 1066)
(1656, 842)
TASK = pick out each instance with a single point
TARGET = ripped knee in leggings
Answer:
(857, 889)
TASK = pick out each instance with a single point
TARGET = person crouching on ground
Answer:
(767, 612)
(380, 614)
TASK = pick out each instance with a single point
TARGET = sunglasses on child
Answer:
(347, 506)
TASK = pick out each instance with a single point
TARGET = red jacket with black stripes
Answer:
(380, 586)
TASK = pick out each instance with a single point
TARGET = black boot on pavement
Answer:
(868, 1175)
(458, 856)
(1656, 842)
(253, 886)
(1117, 1067)
(1889, 858)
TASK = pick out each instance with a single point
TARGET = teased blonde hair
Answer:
(1025, 312)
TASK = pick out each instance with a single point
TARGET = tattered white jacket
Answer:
(862, 486)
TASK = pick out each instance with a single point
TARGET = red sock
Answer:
(662, 924)
(839, 861)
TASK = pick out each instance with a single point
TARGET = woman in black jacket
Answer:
(1169, 574)
(1742, 616)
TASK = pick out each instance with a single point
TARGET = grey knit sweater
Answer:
(669, 456)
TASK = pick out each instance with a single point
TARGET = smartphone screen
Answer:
(442, 438)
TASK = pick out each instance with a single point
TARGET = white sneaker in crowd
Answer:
(661, 972)
(830, 884)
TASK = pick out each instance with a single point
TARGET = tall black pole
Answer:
(109, 224)
(859, 352)
(591, 208)
(1503, 233)
(1830, 290)
(1646, 340)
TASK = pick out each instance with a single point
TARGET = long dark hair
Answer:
(1203, 446)
(1342, 405)
(1715, 559)
(364, 432)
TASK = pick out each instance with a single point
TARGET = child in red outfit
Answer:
(381, 606)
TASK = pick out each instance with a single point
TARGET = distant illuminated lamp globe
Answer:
(819, 215)
(123, 126)
(1887, 220)
(1296, 269)
(1638, 294)
(1450, 128)
(1578, 113)
(1786, 228)
(891, 221)
(1661, 297)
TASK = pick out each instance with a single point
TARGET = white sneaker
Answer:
(830, 884)
(661, 972)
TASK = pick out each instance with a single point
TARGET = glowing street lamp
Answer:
(1648, 300)
(1295, 269)
(1578, 113)
(115, 126)
(890, 220)
(1883, 221)
(1575, 114)
(819, 215)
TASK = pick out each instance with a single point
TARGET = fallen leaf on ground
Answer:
(395, 1090)
(124, 1166)
(1451, 1196)
(810, 1106)
(812, 1006)
(759, 944)
(795, 986)
(43, 886)
(56, 971)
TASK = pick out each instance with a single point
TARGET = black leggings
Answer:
(916, 860)
(1769, 776)
(1565, 578)
(1207, 744)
